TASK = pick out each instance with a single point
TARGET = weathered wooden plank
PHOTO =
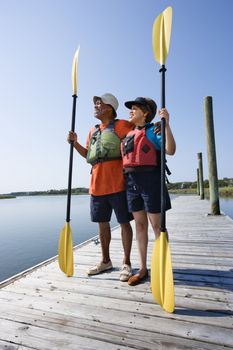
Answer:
(180, 279)
(186, 275)
(114, 284)
(183, 329)
(92, 328)
(181, 251)
(218, 313)
(141, 293)
(184, 260)
(49, 339)
(207, 267)
(4, 345)
(72, 283)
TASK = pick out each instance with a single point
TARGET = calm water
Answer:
(226, 206)
(30, 228)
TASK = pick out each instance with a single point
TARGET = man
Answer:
(107, 187)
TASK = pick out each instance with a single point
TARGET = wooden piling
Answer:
(201, 180)
(198, 183)
(211, 153)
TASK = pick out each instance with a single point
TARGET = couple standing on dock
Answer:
(125, 177)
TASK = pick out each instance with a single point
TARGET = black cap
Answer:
(148, 103)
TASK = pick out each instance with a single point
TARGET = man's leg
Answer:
(127, 237)
(118, 203)
(105, 239)
(101, 213)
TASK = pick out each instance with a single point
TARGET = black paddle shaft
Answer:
(71, 161)
(163, 153)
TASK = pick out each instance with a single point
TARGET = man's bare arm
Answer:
(72, 137)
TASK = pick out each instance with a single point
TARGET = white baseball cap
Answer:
(108, 99)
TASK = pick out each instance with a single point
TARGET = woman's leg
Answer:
(155, 223)
(141, 222)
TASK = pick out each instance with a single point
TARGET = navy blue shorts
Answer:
(102, 207)
(143, 191)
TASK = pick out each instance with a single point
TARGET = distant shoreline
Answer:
(45, 194)
(74, 191)
(41, 194)
(223, 192)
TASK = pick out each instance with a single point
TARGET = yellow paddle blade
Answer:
(65, 251)
(161, 34)
(74, 71)
(162, 285)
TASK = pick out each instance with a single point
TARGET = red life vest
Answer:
(138, 150)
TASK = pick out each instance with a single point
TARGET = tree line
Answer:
(225, 182)
(78, 190)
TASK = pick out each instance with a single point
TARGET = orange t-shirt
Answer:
(107, 177)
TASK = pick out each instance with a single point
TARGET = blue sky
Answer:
(38, 40)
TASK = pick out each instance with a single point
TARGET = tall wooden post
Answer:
(211, 153)
(201, 180)
(198, 183)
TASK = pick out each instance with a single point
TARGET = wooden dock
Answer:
(43, 309)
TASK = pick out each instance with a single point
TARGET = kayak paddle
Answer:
(162, 284)
(65, 246)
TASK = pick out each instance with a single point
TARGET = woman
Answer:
(141, 162)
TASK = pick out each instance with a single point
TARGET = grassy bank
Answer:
(223, 191)
(7, 197)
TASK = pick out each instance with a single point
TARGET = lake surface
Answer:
(30, 228)
(226, 206)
